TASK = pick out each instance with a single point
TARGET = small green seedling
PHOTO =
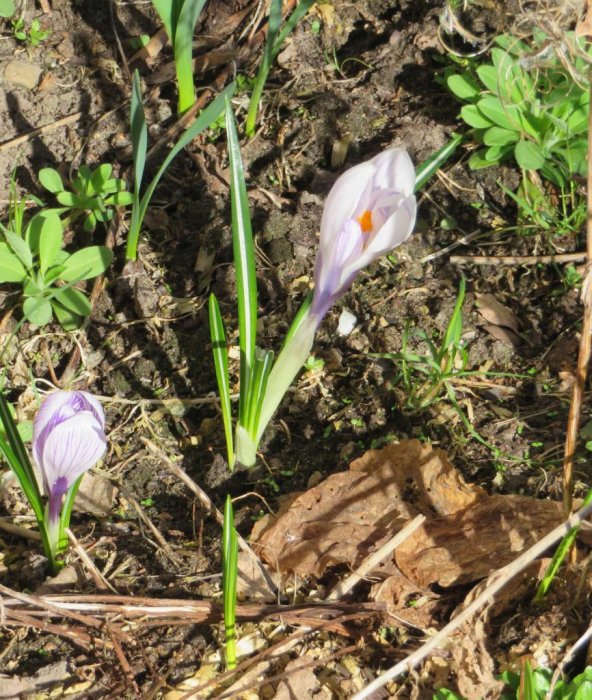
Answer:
(33, 257)
(33, 36)
(93, 196)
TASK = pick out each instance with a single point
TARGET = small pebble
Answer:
(22, 73)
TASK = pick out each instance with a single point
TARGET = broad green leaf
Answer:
(67, 319)
(496, 136)
(489, 77)
(73, 299)
(7, 8)
(50, 241)
(51, 180)
(473, 117)
(90, 223)
(528, 155)
(87, 263)
(32, 289)
(121, 199)
(37, 310)
(495, 154)
(68, 199)
(506, 116)
(11, 268)
(101, 176)
(19, 248)
(477, 161)
(463, 86)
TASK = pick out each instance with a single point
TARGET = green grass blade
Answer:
(183, 51)
(454, 329)
(291, 22)
(261, 369)
(203, 121)
(229, 578)
(67, 512)
(301, 315)
(244, 262)
(560, 553)
(426, 169)
(275, 39)
(139, 133)
(18, 458)
(218, 337)
(168, 11)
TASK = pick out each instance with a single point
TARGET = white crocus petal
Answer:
(343, 200)
(72, 448)
(394, 170)
(51, 405)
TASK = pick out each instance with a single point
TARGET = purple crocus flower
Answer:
(369, 211)
(68, 439)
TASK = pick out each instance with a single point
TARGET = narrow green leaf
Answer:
(87, 263)
(168, 11)
(427, 169)
(244, 262)
(261, 368)
(51, 180)
(302, 8)
(183, 51)
(50, 241)
(67, 506)
(219, 351)
(203, 121)
(19, 248)
(229, 580)
(18, 458)
(11, 268)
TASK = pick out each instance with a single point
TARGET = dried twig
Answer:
(516, 259)
(498, 580)
(64, 121)
(575, 407)
(375, 558)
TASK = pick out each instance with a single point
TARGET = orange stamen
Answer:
(365, 221)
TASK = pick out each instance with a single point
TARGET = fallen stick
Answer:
(516, 259)
(498, 580)
(374, 559)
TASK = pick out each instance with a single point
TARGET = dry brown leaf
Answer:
(299, 682)
(497, 314)
(406, 601)
(352, 513)
(469, 545)
(506, 335)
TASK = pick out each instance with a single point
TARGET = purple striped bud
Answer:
(68, 439)
(369, 211)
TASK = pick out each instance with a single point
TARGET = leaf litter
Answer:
(466, 538)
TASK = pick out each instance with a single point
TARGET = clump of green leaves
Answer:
(426, 378)
(539, 118)
(535, 684)
(33, 257)
(93, 195)
(530, 106)
(32, 35)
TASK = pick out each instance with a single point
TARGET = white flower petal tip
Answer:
(370, 210)
(347, 322)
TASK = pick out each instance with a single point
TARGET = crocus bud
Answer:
(369, 211)
(68, 439)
